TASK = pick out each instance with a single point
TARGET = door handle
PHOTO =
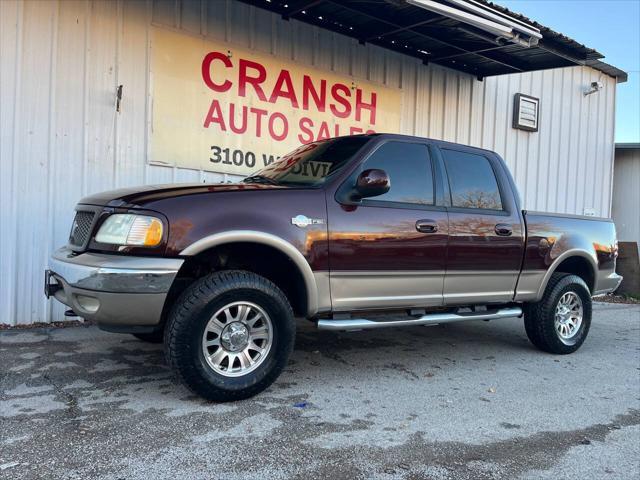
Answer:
(427, 226)
(503, 229)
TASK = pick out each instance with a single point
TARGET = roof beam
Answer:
(462, 54)
(302, 8)
(408, 27)
(561, 54)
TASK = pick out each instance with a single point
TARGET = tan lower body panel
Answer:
(529, 284)
(479, 286)
(353, 290)
(324, 291)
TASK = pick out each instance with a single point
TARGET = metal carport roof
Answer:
(435, 38)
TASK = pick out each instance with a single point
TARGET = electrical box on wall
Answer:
(526, 112)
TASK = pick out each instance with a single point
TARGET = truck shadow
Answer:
(93, 370)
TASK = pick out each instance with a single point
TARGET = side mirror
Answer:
(371, 183)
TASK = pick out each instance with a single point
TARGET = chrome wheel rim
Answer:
(568, 316)
(237, 339)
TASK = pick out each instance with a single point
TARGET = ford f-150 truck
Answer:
(338, 232)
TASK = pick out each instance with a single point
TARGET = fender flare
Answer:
(270, 240)
(575, 252)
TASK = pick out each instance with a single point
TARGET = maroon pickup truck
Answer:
(428, 231)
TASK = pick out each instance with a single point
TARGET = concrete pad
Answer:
(473, 400)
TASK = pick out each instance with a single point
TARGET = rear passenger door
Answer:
(486, 237)
(389, 251)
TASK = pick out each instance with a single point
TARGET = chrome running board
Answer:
(428, 319)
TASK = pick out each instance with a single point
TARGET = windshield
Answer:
(310, 164)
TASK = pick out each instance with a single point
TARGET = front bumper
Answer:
(112, 290)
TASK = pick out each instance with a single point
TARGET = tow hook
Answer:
(50, 288)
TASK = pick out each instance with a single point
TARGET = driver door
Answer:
(390, 251)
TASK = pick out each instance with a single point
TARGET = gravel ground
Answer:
(470, 400)
(611, 298)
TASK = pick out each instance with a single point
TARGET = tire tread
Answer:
(193, 300)
(539, 316)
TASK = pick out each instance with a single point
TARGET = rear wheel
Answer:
(230, 335)
(560, 321)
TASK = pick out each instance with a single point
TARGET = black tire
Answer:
(539, 317)
(186, 327)
(152, 337)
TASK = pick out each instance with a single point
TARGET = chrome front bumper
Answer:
(115, 290)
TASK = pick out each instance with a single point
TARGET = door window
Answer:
(472, 181)
(409, 168)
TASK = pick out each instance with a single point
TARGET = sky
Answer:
(612, 27)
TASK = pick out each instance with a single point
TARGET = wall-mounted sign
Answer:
(228, 109)
(526, 112)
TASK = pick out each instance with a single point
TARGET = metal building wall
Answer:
(60, 63)
(626, 194)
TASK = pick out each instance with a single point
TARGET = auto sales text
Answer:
(349, 112)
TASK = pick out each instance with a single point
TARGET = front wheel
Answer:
(560, 321)
(230, 335)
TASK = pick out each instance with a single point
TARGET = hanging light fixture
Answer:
(484, 19)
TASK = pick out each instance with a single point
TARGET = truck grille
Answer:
(81, 229)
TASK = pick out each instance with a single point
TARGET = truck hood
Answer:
(139, 196)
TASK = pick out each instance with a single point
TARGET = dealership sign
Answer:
(223, 108)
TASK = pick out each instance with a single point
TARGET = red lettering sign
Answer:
(252, 79)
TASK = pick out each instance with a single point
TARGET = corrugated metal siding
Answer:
(626, 194)
(61, 138)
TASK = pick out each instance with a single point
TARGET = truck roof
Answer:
(415, 137)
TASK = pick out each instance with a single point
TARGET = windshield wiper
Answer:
(260, 179)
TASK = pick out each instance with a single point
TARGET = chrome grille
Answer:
(81, 228)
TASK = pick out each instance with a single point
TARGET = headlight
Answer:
(129, 229)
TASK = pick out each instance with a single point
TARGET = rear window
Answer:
(472, 181)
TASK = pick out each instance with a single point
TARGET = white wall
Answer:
(60, 63)
(626, 194)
